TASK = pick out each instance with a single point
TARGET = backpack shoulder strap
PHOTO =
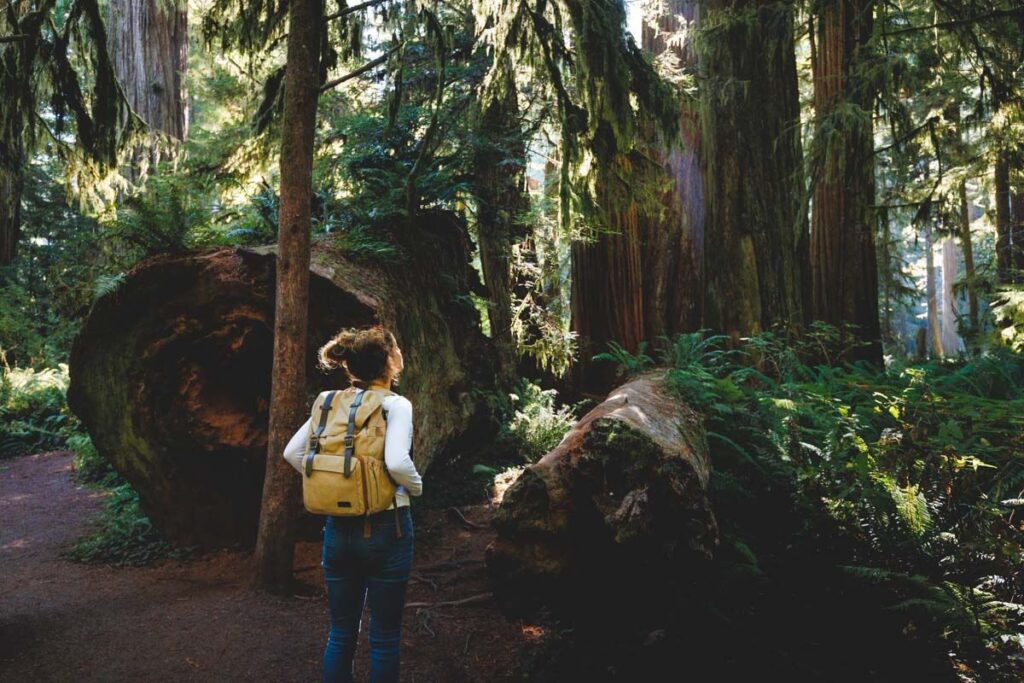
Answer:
(350, 430)
(314, 441)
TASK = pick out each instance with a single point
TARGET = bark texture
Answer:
(148, 43)
(1004, 254)
(756, 246)
(171, 372)
(11, 187)
(951, 342)
(619, 507)
(843, 266)
(275, 539)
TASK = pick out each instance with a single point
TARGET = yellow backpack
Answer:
(344, 469)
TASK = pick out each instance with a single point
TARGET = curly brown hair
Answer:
(363, 352)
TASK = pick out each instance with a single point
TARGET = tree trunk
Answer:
(171, 373)
(934, 333)
(967, 246)
(1017, 235)
(672, 249)
(843, 266)
(148, 43)
(11, 187)
(951, 343)
(755, 234)
(275, 538)
(499, 188)
(607, 297)
(621, 501)
(1004, 257)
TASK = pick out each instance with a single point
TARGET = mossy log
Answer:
(619, 507)
(171, 371)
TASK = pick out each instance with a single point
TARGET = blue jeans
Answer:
(356, 568)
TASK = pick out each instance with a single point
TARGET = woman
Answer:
(378, 566)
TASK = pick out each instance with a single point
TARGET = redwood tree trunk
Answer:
(673, 248)
(755, 231)
(275, 538)
(843, 266)
(607, 297)
(931, 291)
(148, 42)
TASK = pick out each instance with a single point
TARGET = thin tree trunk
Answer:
(843, 262)
(275, 537)
(148, 43)
(1004, 259)
(967, 246)
(951, 344)
(499, 188)
(755, 232)
(1017, 235)
(11, 187)
(934, 333)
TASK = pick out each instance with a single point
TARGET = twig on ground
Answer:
(480, 597)
(451, 564)
(419, 578)
(465, 521)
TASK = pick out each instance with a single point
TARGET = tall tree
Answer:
(149, 49)
(672, 247)
(843, 262)
(499, 188)
(62, 70)
(1004, 258)
(755, 251)
(951, 343)
(275, 540)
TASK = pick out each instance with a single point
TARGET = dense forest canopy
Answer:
(809, 213)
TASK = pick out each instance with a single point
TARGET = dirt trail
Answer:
(199, 620)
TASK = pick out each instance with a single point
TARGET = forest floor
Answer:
(200, 620)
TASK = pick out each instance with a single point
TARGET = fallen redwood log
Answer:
(171, 371)
(617, 509)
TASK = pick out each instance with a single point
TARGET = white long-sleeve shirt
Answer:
(397, 448)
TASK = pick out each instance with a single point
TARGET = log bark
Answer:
(619, 506)
(171, 372)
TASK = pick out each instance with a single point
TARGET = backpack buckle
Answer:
(348, 440)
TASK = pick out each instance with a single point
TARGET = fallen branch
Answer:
(422, 579)
(481, 597)
(458, 513)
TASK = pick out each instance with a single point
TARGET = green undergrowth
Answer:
(527, 423)
(122, 535)
(853, 501)
(34, 416)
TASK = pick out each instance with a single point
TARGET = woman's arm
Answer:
(397, 445)
(296, 447)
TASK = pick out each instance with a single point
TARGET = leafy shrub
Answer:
(33, 412)
(90, 466)
(536, 425)
(125, 536)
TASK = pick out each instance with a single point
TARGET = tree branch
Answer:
(953, 23)
(353, 9)
(373, 63)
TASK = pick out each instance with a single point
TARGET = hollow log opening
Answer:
(174, 370)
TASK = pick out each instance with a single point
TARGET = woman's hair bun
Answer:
(362, 352)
